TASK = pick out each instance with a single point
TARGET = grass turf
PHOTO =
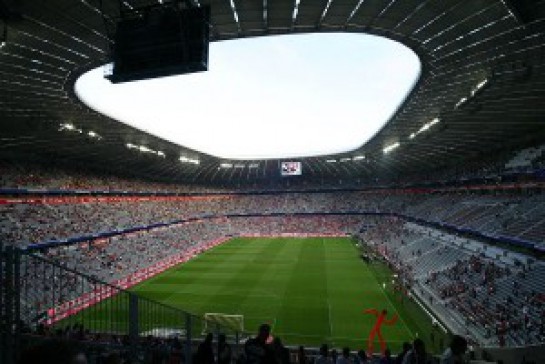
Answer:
(311, 290)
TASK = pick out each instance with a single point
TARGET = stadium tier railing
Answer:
(43, 299)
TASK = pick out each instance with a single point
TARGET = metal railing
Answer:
(48, 299)
(9, 308)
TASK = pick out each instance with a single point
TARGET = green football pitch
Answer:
(310, 290)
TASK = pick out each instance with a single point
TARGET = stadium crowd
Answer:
(501, 300)
(514, 215)
(462, 279)
(78, 177)
(471, 287)
(496, 294)
(113, 260)
(76, 344)
(57, 177)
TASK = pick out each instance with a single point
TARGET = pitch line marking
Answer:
(327, 294)
(329, 318)
(391, 304)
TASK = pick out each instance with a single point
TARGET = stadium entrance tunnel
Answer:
(270, 97)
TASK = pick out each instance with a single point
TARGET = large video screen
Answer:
(291, 169)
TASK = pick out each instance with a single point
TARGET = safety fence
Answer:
(42, 299)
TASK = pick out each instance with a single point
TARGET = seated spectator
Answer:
(418, 354)
(323, 357)
(361, 358)
(224, 350)
(302, 356)
(281, 352)
(387, 358)
(406, 347)
(456, 352)
(334, 356)
(53, 352)
(205, 352)
(258, 350)
(345, 357)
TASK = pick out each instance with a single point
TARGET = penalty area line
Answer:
(383, 291)
(397, 313)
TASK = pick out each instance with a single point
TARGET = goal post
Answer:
(221, 322)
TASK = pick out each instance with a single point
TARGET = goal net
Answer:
(224, 323)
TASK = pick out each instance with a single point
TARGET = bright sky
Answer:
(270, 97)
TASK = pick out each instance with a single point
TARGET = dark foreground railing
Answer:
(42, 300)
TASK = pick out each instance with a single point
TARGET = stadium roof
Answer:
(482, 85)
(288, 96)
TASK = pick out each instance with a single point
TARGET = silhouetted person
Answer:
(302, 356)
(323, 358)
(176, 351)
(205, 352)
(455, 353)
(224, 350)
(112, 358)
(281, 353)
(345, 357)
(387, 357)
(53, 352)
(258, 350)
(334, 356)
(418, 354)
(399, 358)
(361, 358)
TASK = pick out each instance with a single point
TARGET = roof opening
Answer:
(270, 97)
